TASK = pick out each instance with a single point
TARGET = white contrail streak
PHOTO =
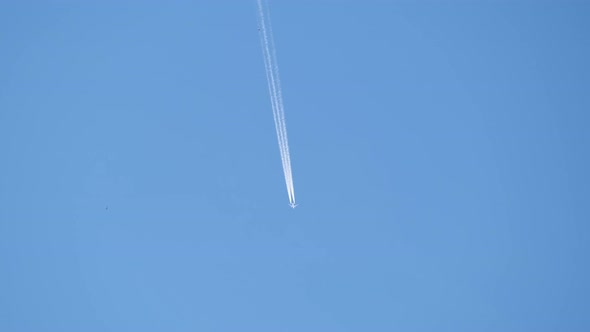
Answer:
(273, 89)
(276, 97)
(276, 101)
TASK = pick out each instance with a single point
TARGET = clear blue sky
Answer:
(440, 156)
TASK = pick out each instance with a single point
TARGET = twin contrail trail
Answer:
(276, 97)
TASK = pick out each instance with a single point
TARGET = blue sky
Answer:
(439, 150)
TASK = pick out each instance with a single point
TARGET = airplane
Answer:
(293, 205)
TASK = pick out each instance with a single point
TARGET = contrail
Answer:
(276, 97)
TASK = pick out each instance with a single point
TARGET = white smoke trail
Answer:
(276, 98)
(273, 95)
(281, 110)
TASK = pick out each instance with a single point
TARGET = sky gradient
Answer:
(439, 153)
